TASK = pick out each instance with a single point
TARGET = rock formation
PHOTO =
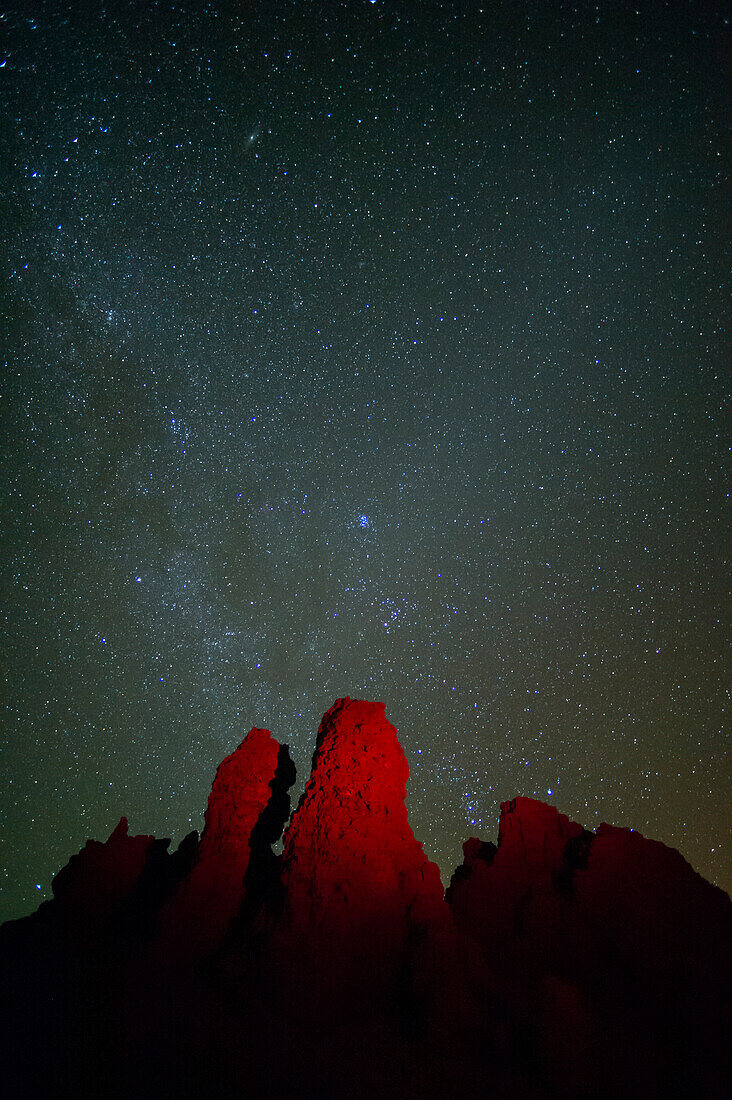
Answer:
(364, 949)
(352, 869)
(595, 941)
(246, 811)
(90, 889)
(560, 963)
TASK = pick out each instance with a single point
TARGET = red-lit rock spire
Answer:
(356, 880)
(248, 791)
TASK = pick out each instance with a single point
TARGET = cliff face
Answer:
(560, 963)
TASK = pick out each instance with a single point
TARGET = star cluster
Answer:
(364, 348)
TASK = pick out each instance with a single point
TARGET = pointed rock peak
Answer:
(349, 852)
(247, 809)
(120, 831)
(240, 793)
(357, 739)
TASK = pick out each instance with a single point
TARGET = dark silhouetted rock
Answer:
(495, 892)
(55, 965)
(94, 882)
(89, 892)
(663, 952)
(612, 955)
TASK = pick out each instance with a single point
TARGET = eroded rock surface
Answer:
(357, 883)
(350, 857)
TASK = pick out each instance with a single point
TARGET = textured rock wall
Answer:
(360, 892)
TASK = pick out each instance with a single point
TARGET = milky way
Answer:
(371, 349)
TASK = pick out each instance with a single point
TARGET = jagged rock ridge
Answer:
(560, 962)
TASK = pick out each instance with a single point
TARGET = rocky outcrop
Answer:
(93, 890)
(350, 858)
(661, 963)
(56, 965)
(501, 893)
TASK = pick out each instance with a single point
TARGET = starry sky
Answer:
(363, 348)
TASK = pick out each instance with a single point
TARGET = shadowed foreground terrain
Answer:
(559, 963)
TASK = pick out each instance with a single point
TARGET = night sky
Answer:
(370, 349)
